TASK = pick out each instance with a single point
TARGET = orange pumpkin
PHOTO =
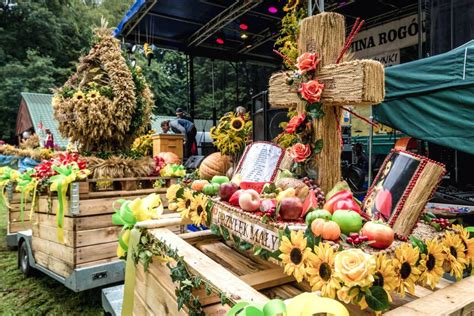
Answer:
(328, 230)
(198, 185)
(169, 158)
(214, 165)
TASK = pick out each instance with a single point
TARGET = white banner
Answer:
(389, 58)
(388, 37)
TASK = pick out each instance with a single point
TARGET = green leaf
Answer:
(180, 193)
(208, 289)
(215, 230)
(377, 298)
(310, 242)
(418, 243)
(225, 233)
(318, 146)
(246, 246)
(257, 251)
(437, 226)
(287, 232)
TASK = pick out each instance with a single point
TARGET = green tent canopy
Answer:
(433, 99)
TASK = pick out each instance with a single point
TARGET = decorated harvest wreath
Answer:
(106, 103)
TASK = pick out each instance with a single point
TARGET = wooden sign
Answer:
(402, 188)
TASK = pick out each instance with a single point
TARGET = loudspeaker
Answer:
(193, 162)
(266, 121)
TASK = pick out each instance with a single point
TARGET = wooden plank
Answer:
(195, 237)
(216, 310)
(15, 216)
(201, 265)
(93, 263)
(97, 236)
(51, 234)
(457, 299)
(93, 222)
(57, 266)
(139, 308)
(50, 221)
(19, 226)
(59, 251)
(282, 292)
(96, 252)
(267, 278)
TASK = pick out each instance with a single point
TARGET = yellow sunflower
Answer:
(321, 274)
(384, 274)
(79, 96)
(93, 95)
(467, 241)
(407, 272)
(294, 255)
(198, 207)
(432, 263)
(184, 204)
(349, 295)
(172, 191)
(237, 124)
(291, 5)
(455, 256)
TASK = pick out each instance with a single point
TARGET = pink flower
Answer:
(294, 123)
(307, 62)
(300, 152)
(311, 91)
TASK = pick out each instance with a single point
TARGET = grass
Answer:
(38, 294)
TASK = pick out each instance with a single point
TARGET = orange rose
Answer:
(300, 152)
(311, 91)
(294, 122)
(307, 62)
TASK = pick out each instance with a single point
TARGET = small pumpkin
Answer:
(198, 185)
(169, 158)
(214, 165)
(328, 230)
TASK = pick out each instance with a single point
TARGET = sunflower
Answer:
(79, 96)
(432, 263)
(184, 204)
(93, 95)
(467, 241)
(384, 274)
(294, 254)
(455, 256)
(198, 207)
(237, 124)
(405, 268)
(172, 191)
(291, 5)
(320, 273)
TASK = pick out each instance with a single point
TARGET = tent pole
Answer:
(371, 138)
(214, 111)
(192, 98)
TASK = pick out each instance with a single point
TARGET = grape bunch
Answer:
(312, 185)
(356, 239)
(442, 222)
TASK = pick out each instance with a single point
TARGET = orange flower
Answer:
(294, 123)
(307, 62)
(300, 152)
(311, 91)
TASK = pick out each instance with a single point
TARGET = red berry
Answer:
(357, 240)
(353, 235)
(350, 240)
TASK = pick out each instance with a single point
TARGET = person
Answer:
(180, 114)
(49, 142)
(240, 111)
(185, 127)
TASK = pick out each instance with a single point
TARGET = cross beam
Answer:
(236, 10)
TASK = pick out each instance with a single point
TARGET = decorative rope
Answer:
(360, 117)
(355, 29)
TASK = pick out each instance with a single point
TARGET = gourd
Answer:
(214, 165)
(198, 185)
(328, 230)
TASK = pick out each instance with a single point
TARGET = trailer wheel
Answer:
(25, 267)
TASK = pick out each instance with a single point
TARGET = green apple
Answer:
(348, 221)
(312, 215)
(220, 179)
(211, 189)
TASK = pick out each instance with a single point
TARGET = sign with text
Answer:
(388, 37)
(250, 232)
(260, 162)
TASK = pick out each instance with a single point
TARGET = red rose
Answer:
(294, 122)
(311, 91)
(307, 62)
(300, 152)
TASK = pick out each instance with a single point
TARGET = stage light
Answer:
(243, 26)
(243, 36)
(272, 10)
(248, 46)
(220, 41)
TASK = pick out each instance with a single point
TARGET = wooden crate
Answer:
(90, 237)
(244, 277)
(15, 224)
(168, 143)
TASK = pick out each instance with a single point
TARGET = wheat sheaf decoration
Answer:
(106, 103)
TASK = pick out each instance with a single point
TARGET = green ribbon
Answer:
(26, 184)
(272, 308)
(130, 271)
(7, 175)
(123, 216)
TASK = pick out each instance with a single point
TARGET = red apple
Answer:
(291, 209)
(347, 204)
(380, 233)
(234, 199)
(226, 190)
(249, 200)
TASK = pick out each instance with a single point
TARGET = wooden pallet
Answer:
(15, 224)
(248, 278)
(90, 237)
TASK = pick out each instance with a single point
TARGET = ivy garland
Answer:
(187, 284)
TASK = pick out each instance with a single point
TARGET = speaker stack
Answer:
(266, 120)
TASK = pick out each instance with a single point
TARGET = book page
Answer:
(260, 162)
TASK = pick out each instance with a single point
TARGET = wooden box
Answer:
(15, 223)
(244, 277)
(90, 237)
(168, 143)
